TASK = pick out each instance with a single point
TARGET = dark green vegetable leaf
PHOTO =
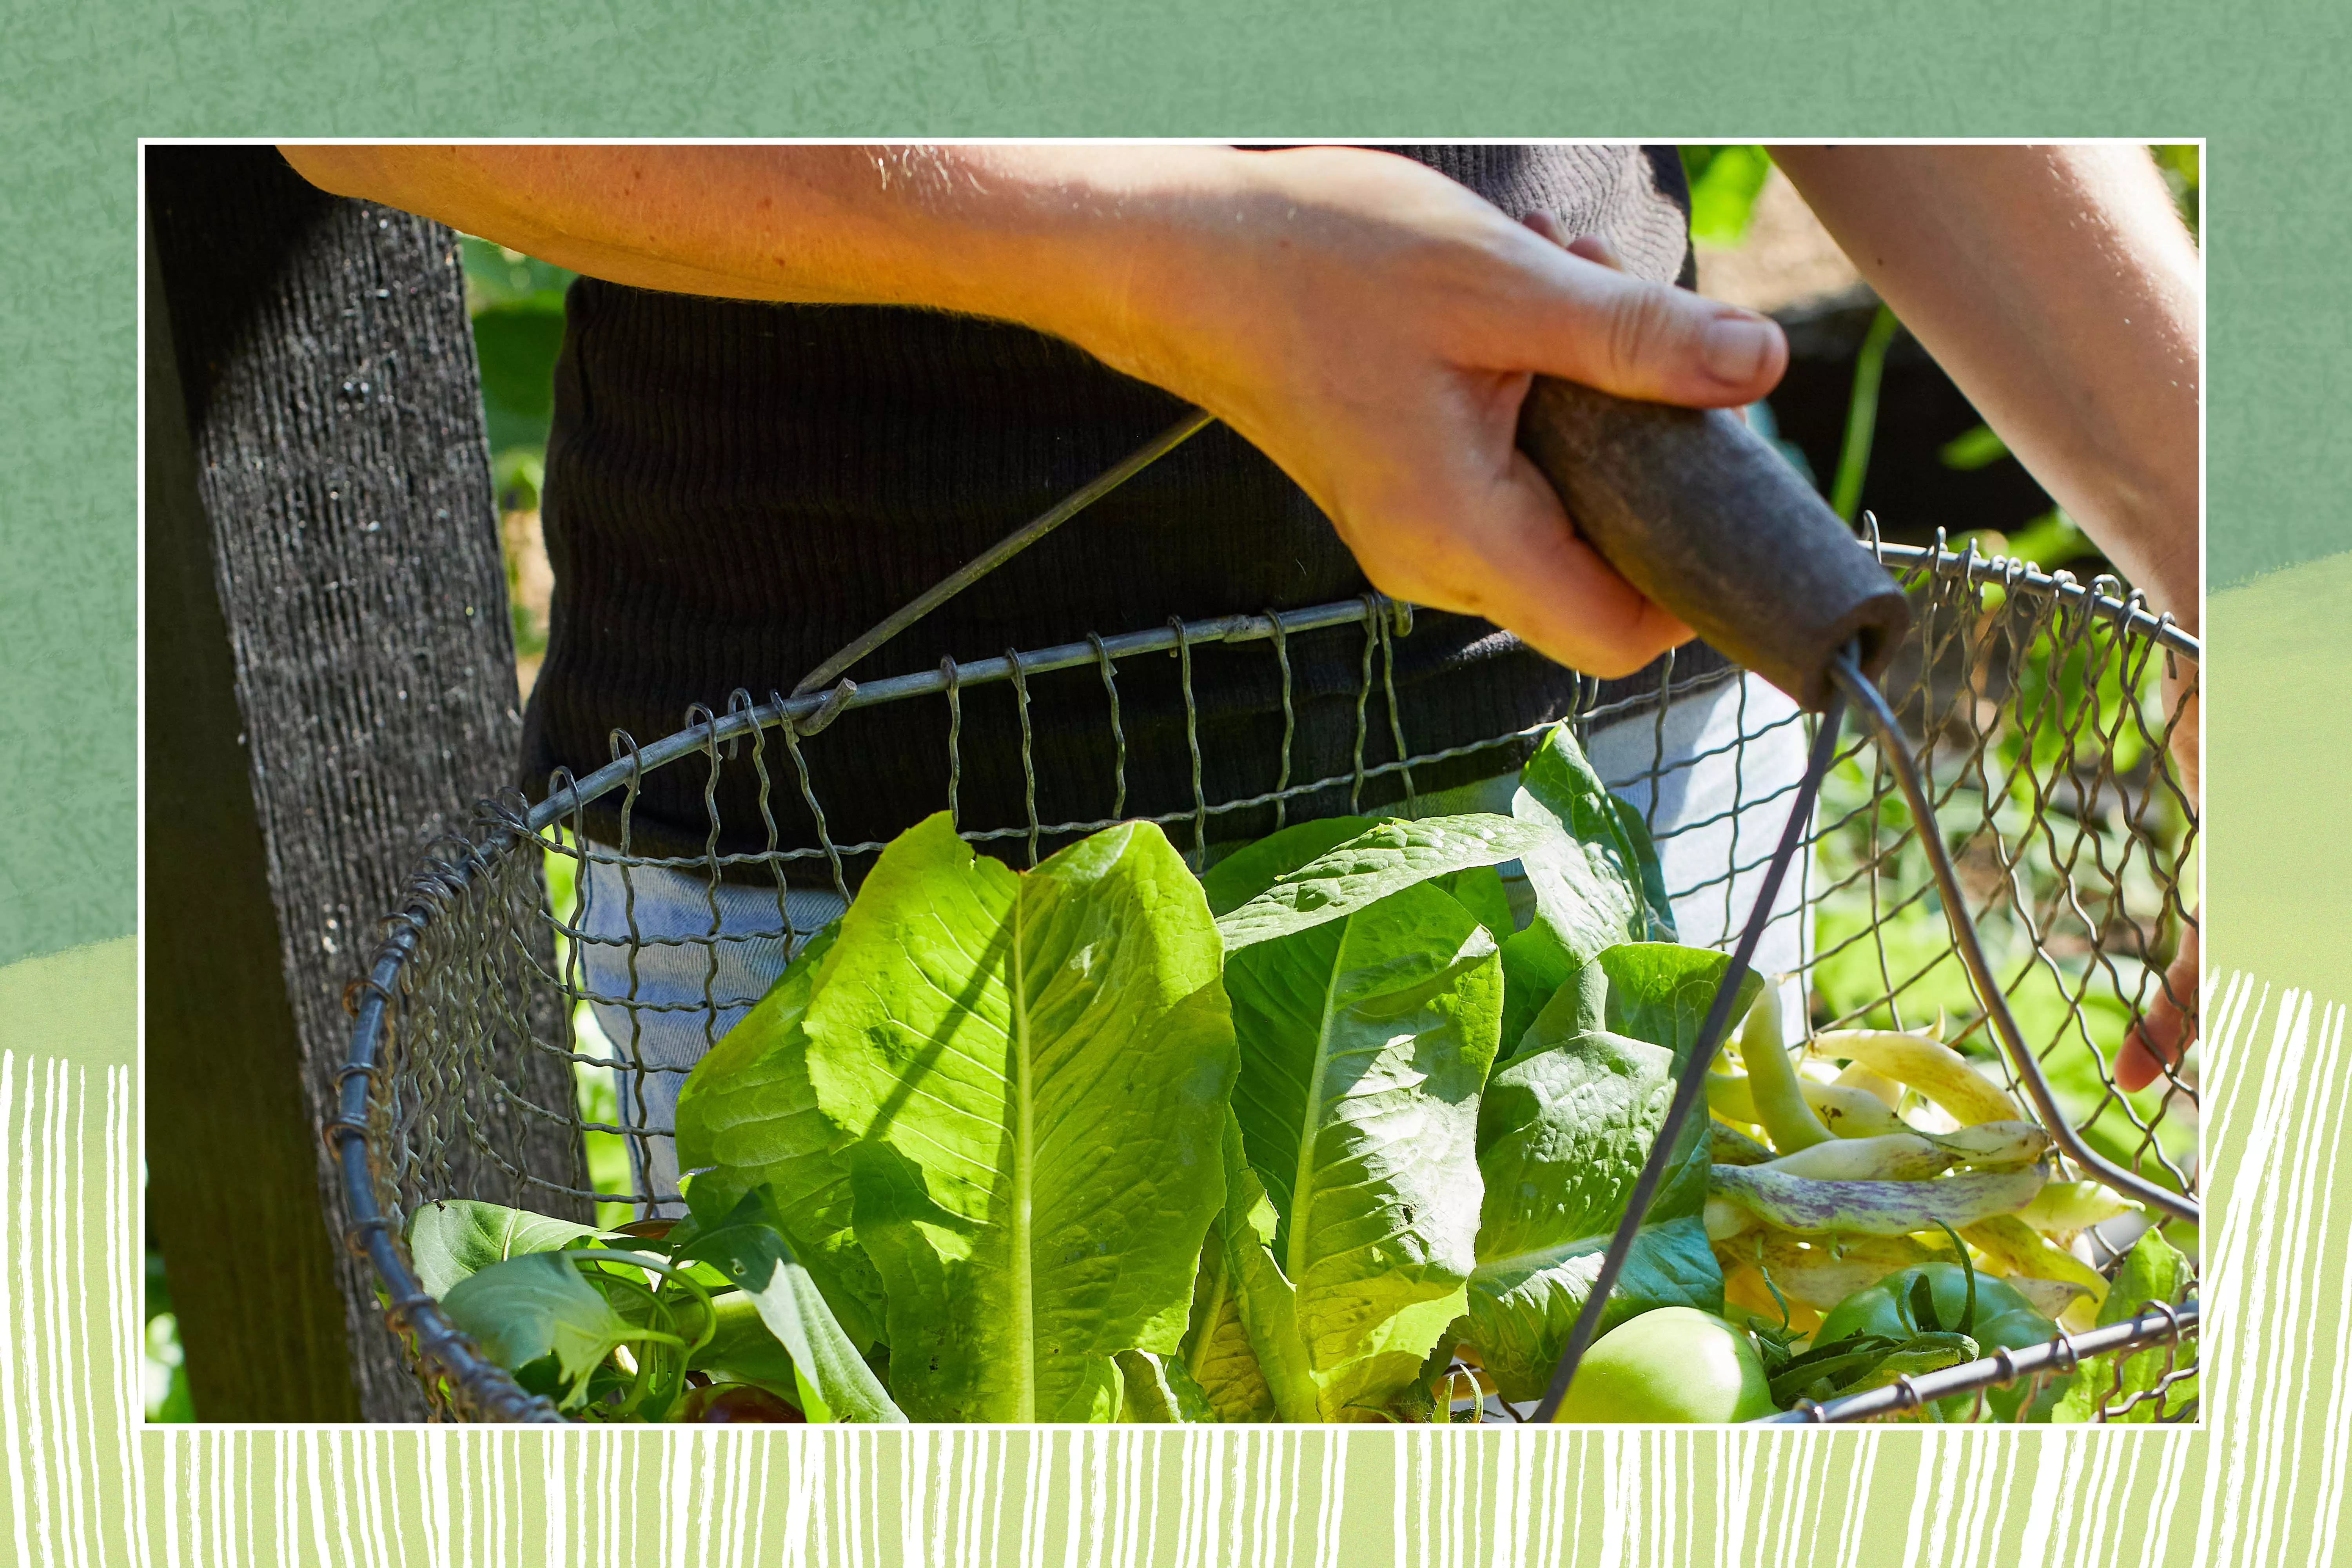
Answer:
(1364, 1041)
(746, 1245)
(1383, 860)
(1037, 1067)
(536, 1306)
(1252, 869)
(458, 1237)
(1563, 1131)
(748, 1118)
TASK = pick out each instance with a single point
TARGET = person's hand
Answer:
(1368, 323)
(1373, 328)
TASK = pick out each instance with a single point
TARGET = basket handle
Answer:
(1694, 508)
(1689, 506)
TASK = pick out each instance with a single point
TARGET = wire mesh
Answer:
(2036, 709)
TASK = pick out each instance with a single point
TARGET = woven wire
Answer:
(2149, 1380)
(2033, 704)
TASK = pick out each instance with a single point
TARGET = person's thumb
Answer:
(1651, 340)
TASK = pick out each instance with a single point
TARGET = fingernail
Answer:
(1735, 348)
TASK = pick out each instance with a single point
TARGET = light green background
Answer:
(2257, 1485)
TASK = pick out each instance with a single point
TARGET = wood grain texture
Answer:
(225, 1056)
(327, 375)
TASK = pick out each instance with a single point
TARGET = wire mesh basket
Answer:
(2036, 715)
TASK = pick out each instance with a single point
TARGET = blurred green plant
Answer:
(2051, 541)
(1726, 180)
(1862, 414)
(2065, 839)
(1973, 449)
(2079, 864)
(2181, 165)
(1723, 185)
(164, 1373)
(517, 305)
(516, 302)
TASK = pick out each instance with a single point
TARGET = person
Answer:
(801, 383)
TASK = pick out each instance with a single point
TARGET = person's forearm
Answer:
(1036, 235)
(1368, 324)
(2058, 288)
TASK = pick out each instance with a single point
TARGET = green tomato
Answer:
(1671, 1365)
(2004, 1319)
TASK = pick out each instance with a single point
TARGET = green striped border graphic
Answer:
(2261, 1481)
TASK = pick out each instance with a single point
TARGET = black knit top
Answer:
(736, 490)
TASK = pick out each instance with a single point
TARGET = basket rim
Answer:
(453, 860)
(812, 710)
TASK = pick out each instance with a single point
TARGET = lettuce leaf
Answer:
(1158, 1390)
(1559, 786)
(747, 1120)
(1035, 1069)
(1385, 859)
(1596, 881)
(1364, 1042)
(1659, 992)
(1563, 1131)
(1216, 1350)
(1255, 866)
(744, 1241)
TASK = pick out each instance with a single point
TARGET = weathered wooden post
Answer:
(329, 675)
